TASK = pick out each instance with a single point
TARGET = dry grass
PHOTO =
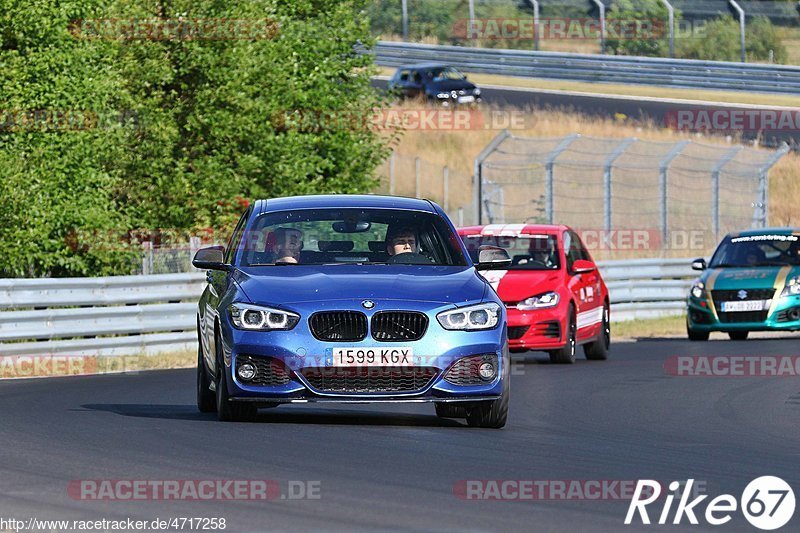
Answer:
(52, 366)
(650, 328)
(458, 149)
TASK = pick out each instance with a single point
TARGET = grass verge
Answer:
(649, 328)
(32, 366)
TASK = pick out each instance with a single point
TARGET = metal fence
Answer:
(126, 315)
(630, 184)
(682, 73)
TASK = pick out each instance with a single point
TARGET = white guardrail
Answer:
(123, 315)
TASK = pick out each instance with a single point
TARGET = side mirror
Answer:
(492, 257)
(211, 258)
(582, 266)
(699, 264)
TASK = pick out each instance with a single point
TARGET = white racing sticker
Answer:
(590, 318)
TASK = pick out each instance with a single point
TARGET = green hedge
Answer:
(99, 136)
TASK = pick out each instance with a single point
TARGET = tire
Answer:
(449, 410)
(738, 335)
(598, 350)
(228, 411)
(493, 413)
(695, 335)
(206, 399)
(566, 355)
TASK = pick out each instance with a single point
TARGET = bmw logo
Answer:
(368, 304)
(742, 295)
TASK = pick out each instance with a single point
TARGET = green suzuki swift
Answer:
(751, 284)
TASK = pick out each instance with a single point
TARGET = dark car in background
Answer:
(434, 82)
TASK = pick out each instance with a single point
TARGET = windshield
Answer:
(350, 236)
(757, 250)
(527, 252)
(446, 73)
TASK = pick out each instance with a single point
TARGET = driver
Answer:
(402, 240)
(288, 243)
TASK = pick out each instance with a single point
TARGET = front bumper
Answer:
(540, 329)
(702, 317)
(299, 351)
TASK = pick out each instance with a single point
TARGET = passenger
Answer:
(288, 243)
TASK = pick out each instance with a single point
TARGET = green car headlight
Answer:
(792, 287)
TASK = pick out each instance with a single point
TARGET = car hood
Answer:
(311, 283)
(450, 85)
(517, 285)
(719, 279)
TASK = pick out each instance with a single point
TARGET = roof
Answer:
(340, 201)
(512, 230)
(766, 231)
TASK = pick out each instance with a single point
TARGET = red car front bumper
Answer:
(541, 329)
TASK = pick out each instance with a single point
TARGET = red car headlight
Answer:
(542, 301)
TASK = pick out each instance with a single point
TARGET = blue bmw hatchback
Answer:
(352, 299)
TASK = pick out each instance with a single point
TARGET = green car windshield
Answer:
(757, 250)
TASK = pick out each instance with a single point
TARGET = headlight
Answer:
(548, 299)
(443, 95)
(698, 289)
(258, 318)
(792, 287)
(476, 92)
(474, 317)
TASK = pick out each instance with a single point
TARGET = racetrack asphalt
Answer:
(398, 466)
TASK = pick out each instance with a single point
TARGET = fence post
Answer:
(761, 207)
(477, 177)
(663, 170)
(618, 151)
(460, 217)
(147, 258)
(446, 187)
(535, 4)
(471, 16)
(602, 7)
(715, 172)
(405, 20)
(391, 174)
(548, 180)
(740, 11)
(671, 12)
(194, 244)
(416, 177)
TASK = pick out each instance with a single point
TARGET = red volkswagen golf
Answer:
(554, 293)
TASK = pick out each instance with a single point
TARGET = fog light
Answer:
(486, 371)
(246, 371)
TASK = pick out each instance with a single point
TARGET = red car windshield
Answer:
(527, 252)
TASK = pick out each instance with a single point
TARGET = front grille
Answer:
(733, 295)
(399, 326)
(744, 316)
(465, 370)
(269, 371)
(517, 332)
(338, 326)
(370, 379)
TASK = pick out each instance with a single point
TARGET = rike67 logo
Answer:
(767, 503)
